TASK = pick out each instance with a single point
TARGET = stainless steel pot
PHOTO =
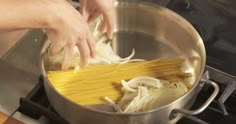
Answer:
(154, 32)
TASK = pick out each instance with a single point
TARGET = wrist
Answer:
(54, 14)
(50, 14)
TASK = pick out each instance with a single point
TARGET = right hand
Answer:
(68, 30)
(91, 9)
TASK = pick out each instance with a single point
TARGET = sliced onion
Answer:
(104, 55)
(146, 93)
(126, 86)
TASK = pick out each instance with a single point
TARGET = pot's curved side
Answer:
(171, 36)
(79, 115)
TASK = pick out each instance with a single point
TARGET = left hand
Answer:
(91, 9)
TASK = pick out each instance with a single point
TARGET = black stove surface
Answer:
(215, 20)
(213, 114)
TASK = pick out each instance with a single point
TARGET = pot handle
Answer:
(201, 108)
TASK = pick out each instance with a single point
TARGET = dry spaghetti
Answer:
(91, 84)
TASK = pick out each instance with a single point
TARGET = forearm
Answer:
(23, 14)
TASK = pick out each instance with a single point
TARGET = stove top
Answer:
(215, 22)
(222, 110)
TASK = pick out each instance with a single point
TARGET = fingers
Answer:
(83, 10)
(110, 26)
(103, 26)
(56, 48)
(109, 19)
(84, 53)
(68, 56)
(85, 15)
(91, 44)
(57, 43)
(85, 44)
(90, 10)
(94, 16)
(86, 49)
(86, 11)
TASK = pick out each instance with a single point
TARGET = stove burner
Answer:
(220, 111)
(36, 104)
(228, 91)
(229, 86)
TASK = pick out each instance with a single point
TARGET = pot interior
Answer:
(154, 32)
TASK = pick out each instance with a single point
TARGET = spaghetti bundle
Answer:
(91, 84)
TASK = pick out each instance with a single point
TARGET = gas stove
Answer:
(223, 110)
(215, 22)
(213, 19)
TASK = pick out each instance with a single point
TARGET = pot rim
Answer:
(203, 63)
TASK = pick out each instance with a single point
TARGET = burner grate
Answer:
(36, 105)
(221, 110)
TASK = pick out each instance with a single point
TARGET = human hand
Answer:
(64, 25)
(91, 9)
(70, 30)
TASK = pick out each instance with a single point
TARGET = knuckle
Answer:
(70, 43)
(81, 39)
